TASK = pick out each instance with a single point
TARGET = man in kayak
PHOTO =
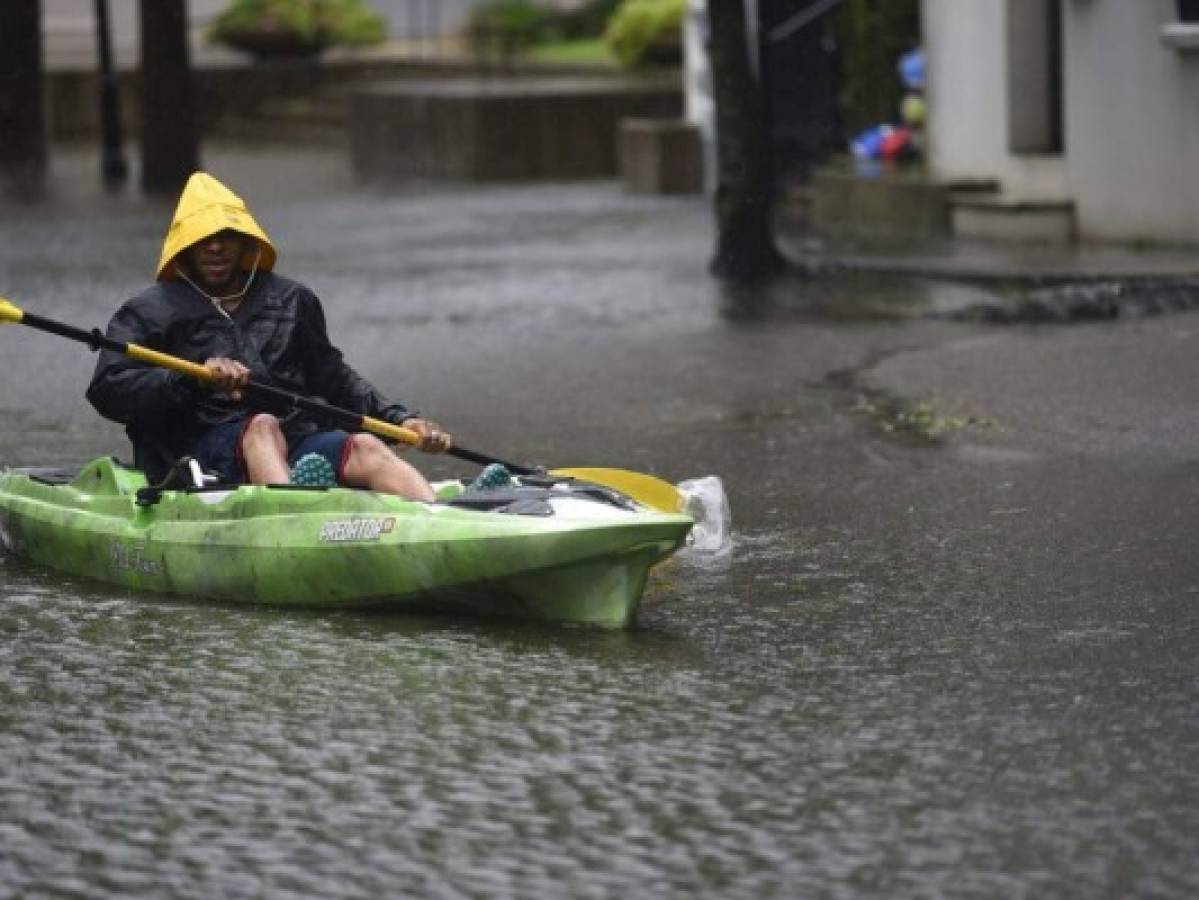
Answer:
(218, 301)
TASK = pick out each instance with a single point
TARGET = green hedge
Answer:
(305, 24)
(590, 20)
(509, 25)
(647, 32)
(516, 25)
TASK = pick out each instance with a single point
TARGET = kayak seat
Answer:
(59, 475)
(50, 475)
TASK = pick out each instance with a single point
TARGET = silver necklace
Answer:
(217, 301)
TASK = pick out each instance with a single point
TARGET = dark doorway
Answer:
(1034, 59)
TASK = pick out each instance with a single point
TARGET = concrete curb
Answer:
(1029, 283)
(1028, 267)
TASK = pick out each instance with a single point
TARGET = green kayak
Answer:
(555, 551)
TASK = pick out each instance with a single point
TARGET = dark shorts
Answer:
(219, 450)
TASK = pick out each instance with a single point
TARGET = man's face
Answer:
(214, 260)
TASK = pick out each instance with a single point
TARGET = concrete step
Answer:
(660, 156)
(993, 216)
(886, 203)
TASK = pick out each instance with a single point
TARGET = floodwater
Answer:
(922, 669)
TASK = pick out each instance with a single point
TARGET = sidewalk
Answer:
(1014, 282)
(1024, 264)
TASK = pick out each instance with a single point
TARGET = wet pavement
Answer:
(950, 652)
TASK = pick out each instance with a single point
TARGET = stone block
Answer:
(661, 156)
(883, 205)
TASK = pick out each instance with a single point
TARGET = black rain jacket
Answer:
(278, 331)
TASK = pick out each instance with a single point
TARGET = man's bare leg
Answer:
(264, 450)
(373, 465)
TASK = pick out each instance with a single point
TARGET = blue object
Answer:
(869, 144)
(329, 444)
(313, 470)
(912, 69)
(219, 450)
(492, 478)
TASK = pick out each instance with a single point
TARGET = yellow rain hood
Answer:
(205, 207)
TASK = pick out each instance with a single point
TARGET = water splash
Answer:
(705, 501)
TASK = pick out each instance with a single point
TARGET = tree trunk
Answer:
(22, 103)
(170, 140)
(745, 247)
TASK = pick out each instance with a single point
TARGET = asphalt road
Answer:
(959, 616)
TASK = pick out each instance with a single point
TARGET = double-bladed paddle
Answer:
(645, 489)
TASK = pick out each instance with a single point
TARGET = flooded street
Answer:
(950, 652)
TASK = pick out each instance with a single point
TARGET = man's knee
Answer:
(263, 426)
(366, 449)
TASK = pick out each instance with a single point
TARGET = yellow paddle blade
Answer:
(645, 489)
(9, 313)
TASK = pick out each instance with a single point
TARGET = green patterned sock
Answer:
(492, 478)
(313, 470)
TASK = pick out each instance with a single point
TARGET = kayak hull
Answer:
(584, 562)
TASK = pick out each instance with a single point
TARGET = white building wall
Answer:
(1131, 114)
(965, 42)
(1132, 121)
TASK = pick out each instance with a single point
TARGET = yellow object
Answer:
(203, 373)
(645, 489)
(165, 361)
(9, 313)
(913, 110)
(399, 433)
(205, 207)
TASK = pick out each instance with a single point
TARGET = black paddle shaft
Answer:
(275, 398)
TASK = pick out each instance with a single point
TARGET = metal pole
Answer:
(113, 168)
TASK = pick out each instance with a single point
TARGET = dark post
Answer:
(170, 138)
(22, 99)
(745, 247)
(113, 169)
(799, 86)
